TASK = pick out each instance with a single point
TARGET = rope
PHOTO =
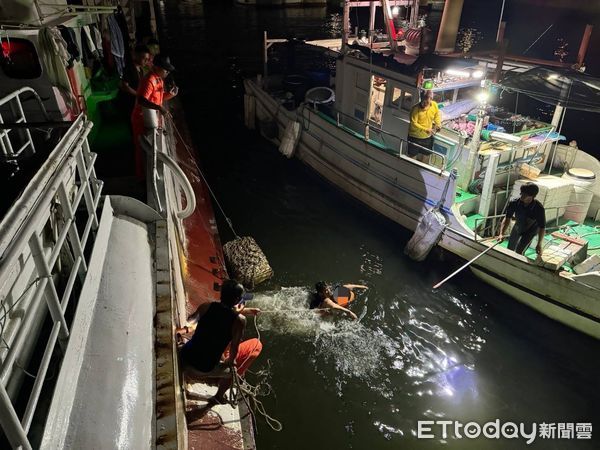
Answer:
(193, 159)
(249, 394)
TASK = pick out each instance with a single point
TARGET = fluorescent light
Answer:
(552, 76)
(458, 73)
(395, 11)
(477, 74)
(483, 97)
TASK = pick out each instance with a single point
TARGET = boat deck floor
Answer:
(110, 357)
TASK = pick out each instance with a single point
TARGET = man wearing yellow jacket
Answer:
(425, 120)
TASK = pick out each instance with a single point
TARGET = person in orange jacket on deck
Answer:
(150, 94)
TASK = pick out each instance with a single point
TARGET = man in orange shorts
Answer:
(217, 339)
(151, 95)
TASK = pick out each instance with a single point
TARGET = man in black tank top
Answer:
(217, 339)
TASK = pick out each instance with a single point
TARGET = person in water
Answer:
(217, 341)
(324, 297)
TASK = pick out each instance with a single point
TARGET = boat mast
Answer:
(389, 24)
(346, 26)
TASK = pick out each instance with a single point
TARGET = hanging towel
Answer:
(117, 46)
(68, 34)
(55, 57)
(97, 38)
(89, 51)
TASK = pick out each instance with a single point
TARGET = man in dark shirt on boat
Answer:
(134, 72)
(216, 343)
(530, 219)
(325, 299)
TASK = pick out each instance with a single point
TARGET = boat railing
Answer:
(387, 141)
(43, 263)
(480, 232)
(15, 141)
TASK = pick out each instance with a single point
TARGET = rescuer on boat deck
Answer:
(216, 343)
(133, 74)
(530, 219)
(150, 94)
(324, 298)
(425, 120)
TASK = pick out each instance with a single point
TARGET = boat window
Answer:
(407, 101)
(19, 59)
(396, 97)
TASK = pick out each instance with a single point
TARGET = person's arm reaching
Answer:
(437, 120)
(539, 247)
(124, 86)
(333, 305)
(238, 330)
(355, 286)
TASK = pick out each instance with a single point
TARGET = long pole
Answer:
(464, 266)
(498, 37)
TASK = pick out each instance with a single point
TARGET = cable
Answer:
(193, 159)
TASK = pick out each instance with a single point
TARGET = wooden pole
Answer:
(389, 24)
(585, 42)
(502, 44)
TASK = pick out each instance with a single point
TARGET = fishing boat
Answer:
(97, 270)
(351, 127)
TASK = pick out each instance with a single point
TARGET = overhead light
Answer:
(458, 73)
(552, 76)
(483, 97)
(477, 74)
(395, 11)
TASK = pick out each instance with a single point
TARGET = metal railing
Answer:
(389, 141)
(12, 145)
(35, 265)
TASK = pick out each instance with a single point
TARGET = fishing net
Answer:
(246, 261)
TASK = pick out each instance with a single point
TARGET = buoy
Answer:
(426, 236)
(430, 228)
(290, 139)
(246, 261)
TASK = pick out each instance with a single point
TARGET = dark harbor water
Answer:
(463, 353)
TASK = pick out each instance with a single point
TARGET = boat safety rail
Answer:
(480, 232)
(41, 271)
(387, 140)
(11, 111)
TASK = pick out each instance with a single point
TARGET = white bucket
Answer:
(150, 117)
(579, 202)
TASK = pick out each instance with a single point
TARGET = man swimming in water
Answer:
(325, 299)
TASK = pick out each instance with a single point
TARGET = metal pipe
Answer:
(10, 423)
(51, 295)
(585, 42)
(40, 378)
(29, 226)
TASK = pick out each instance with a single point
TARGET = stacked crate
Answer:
(554, 194)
